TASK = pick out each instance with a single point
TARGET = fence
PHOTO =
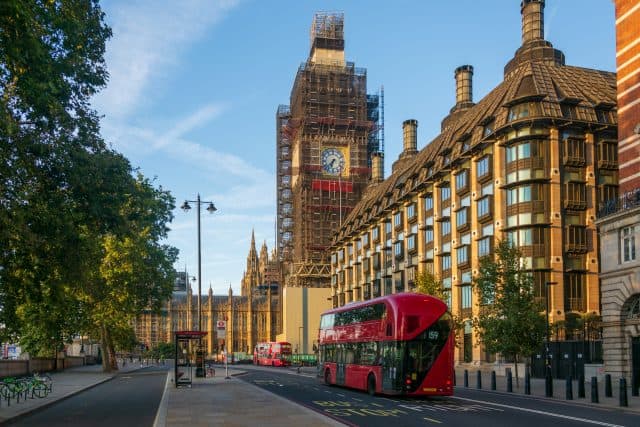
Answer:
(17, 368)
(567, 358)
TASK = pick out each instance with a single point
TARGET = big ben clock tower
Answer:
(325, 141)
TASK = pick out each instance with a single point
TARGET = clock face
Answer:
(332, 161)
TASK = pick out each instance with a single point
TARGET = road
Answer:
(130, 399)
(467, 407)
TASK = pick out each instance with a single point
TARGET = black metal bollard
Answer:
(509, 382)
(623, 392)
(466, 378)
(594, 390)
(607, 386)
(479, 380)
(548, 383)
(454, 378)
(527, 383)
(569, 388)
(493, 380)
(581, 390)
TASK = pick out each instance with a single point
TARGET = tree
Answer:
(51, 63)
(510, 318)
(80, 231)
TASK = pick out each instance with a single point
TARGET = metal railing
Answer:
(629, 200)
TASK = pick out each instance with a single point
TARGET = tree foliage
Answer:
(510, 318)
(80, 231)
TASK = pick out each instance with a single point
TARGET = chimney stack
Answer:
(377, 170)
(532, 12)
(464, 85)
(410, 136)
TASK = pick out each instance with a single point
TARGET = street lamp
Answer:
(548, 382)
(211, 209)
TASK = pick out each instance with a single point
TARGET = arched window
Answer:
(631, 308)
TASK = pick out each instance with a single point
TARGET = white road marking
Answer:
(432, 420)
(535, 411)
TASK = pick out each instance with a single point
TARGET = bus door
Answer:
(340, 364)
(391, 366)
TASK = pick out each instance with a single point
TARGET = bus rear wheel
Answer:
(371, 385)
(327, 377)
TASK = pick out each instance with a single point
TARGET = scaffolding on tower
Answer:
(329, 109)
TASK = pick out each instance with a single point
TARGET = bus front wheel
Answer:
(327, 377)
(371, 385)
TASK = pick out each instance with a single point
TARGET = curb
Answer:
(574, 402)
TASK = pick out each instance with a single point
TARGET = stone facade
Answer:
(619, 219)
(251, 317)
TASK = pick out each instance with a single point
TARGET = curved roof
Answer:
(547, 83)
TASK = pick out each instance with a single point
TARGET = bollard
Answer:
(607, 386)
(594, 390)
(569, 388)
(466, 378)
(581, 391)
(623, 392)
(493, 380)
(548, 384)
(509, 382)
(454, 378)
(527, 383)
(479, 380)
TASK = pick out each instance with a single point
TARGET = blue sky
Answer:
(195, 85)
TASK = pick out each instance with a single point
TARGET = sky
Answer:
(194, 87)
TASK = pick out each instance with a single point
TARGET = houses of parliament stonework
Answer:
(251, 317)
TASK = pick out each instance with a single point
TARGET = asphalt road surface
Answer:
(130, 399)
(467, 407)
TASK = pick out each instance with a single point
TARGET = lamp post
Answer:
(547, 356)
(211, 209)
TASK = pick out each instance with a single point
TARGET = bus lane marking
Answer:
(345, 409)
(365, 412)
(536, 411)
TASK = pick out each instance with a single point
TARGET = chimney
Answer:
(377, 170)
(532, 12)
(409, 137)
(534, 47)
(464, 86)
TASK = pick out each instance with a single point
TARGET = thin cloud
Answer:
(148, 37)
(198, 118)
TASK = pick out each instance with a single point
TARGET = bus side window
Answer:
(389, 330)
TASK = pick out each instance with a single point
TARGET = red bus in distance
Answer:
(400, 344)
(272, 354)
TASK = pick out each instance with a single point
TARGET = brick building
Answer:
(530, 162)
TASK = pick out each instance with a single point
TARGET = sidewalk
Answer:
(65, 384)
(231, 402)
(559, 390)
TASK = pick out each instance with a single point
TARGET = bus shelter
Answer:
(188, 355)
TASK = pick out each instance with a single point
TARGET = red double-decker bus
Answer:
(272, 354)
(396, 344)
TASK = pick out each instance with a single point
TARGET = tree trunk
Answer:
(109, 361)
